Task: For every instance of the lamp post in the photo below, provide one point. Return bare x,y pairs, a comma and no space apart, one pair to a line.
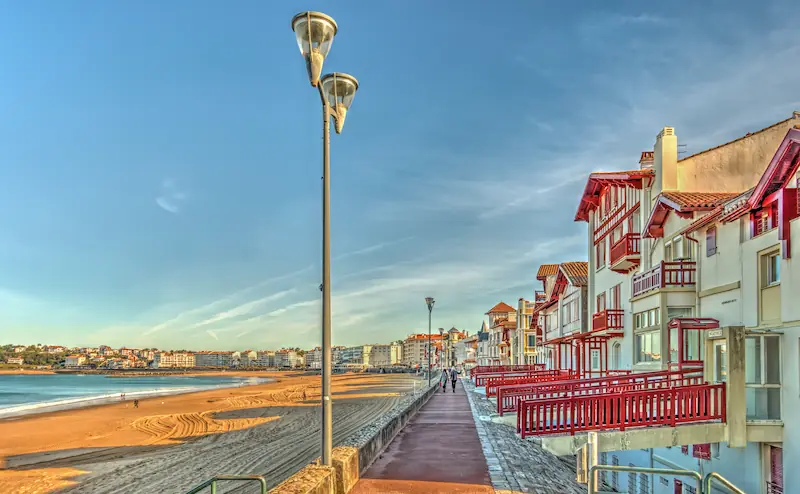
315,32
429,302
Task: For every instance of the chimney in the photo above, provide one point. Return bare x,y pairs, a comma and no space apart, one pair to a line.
646,161
665,161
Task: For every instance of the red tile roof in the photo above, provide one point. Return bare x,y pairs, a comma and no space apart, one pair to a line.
599,180
546,270
690,201
501,308
577,273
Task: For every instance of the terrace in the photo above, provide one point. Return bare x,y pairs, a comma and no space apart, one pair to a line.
664,275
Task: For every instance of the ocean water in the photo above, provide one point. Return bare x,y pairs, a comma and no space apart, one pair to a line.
26,394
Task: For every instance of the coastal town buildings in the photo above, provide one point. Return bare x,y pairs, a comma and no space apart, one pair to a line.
690,264
15,360
74,361
483,352
386,355
286,359
502,324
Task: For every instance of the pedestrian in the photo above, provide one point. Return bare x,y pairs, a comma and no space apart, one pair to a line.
135,403
443,380
454,377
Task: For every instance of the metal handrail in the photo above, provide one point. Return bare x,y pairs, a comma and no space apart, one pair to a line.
243,478
663,471
722,480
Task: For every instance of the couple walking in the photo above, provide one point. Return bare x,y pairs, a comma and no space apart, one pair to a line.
452,375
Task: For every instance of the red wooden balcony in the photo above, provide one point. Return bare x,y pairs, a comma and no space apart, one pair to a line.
532,377
609,411
625,253
614,381
608,319
664,274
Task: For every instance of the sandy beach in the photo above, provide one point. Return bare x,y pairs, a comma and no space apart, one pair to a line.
169,444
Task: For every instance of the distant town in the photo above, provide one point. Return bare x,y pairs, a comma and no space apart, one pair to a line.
451,347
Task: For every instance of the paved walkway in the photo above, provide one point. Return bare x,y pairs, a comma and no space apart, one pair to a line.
437,452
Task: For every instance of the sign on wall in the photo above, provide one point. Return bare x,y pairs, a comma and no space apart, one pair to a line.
702,451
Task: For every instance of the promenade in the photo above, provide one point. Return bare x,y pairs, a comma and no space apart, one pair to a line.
438,451
453,446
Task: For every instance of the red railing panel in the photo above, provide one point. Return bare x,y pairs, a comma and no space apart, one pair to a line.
608,319
628,245
677,273
493,382
617,410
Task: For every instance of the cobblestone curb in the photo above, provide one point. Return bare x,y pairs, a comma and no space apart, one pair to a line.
517,465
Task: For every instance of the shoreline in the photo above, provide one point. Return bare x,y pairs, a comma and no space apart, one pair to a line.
24,410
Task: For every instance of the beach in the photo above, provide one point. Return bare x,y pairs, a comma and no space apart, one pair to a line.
172,443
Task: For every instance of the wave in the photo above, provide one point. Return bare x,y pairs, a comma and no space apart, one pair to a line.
102,399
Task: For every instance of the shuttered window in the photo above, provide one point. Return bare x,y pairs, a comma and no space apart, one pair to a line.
711,241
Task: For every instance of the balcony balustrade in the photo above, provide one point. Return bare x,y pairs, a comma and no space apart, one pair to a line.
608,319
664,274
625,253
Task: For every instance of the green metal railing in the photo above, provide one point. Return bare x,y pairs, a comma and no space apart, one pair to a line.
212,483
703,483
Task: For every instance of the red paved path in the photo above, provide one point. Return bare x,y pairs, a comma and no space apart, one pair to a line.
438,451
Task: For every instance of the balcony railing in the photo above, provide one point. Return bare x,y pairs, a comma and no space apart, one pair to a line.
774,488
608,319
664,274
645,408
625,247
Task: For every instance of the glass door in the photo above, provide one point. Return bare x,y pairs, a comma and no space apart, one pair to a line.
720,361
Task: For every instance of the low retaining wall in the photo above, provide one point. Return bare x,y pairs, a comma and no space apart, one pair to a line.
353,458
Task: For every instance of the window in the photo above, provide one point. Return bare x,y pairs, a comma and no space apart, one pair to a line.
763,377
615,475
647,318
600,254
765,219
601,302
648,346
644,483
595,357
615,297
711,241
772,269
631,481
678,249
531,340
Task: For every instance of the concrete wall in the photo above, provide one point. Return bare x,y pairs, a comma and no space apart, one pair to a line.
733,167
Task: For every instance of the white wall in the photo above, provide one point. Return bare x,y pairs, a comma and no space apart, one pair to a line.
790,277
750,269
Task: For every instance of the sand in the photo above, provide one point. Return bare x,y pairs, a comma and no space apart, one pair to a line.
169,444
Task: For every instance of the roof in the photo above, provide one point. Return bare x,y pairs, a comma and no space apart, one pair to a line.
685,203
599,180
696,201
501,308
749,134
577,273
779,172
546,270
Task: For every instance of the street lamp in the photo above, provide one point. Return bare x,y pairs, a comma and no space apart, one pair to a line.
315,32
429,302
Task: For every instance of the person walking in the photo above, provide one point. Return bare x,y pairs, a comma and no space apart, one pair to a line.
443,380
453,377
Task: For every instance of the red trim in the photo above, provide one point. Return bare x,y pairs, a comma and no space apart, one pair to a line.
590,199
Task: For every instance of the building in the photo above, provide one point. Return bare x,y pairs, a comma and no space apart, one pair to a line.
15,360
386,355
74,361
414,350
483,353
248,358
19,348
691,266
314,358
300,361
466,351
165,360
54,349
265,359
214,359
357,356
451,337
286,359
502,324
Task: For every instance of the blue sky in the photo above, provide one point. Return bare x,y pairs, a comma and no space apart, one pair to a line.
160,165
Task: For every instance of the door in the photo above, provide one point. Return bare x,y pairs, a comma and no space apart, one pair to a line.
616,356
720,361
678,487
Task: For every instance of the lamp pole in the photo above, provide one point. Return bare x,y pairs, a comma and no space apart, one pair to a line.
429,302
315,32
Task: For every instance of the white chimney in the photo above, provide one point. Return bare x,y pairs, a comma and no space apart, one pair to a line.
646,161
665,162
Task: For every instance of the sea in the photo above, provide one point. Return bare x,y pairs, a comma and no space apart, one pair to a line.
29,394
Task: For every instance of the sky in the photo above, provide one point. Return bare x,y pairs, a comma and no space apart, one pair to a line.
161,161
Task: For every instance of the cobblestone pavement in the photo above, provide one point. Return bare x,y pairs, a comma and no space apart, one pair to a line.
517,465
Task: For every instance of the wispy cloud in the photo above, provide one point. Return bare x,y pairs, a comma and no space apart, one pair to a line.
372,248
171,197
212,334
243,309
